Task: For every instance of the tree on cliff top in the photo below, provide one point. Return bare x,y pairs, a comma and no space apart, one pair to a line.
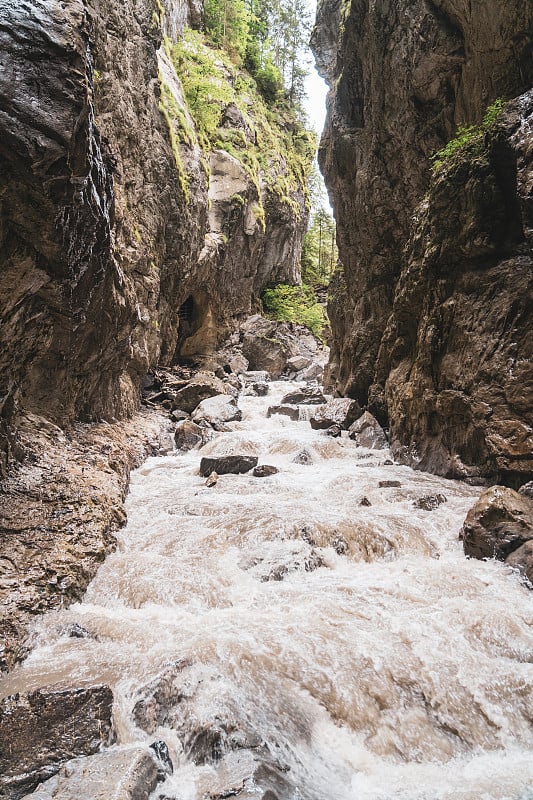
269,37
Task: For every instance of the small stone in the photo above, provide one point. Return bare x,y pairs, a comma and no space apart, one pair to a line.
306,396
77,631
226,465
527,490
264,470
165,765
212,479
217,410
238,364
189,435
365,502
303,457
388,463
335,431
499,524
389,484
340,546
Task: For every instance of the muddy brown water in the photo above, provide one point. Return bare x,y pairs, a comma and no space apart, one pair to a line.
352,648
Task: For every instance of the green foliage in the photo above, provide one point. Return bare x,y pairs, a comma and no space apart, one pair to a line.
174,117
268,37
227,24
295,304
272,146
319,252
471,136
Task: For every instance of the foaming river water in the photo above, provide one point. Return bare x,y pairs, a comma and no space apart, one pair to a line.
310,646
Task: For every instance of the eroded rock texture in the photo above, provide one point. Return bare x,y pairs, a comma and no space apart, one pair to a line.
431,309
110,259
121,247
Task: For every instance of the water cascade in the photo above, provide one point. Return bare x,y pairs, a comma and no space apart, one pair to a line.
288,641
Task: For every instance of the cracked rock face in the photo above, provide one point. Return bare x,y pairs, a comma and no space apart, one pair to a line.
402,76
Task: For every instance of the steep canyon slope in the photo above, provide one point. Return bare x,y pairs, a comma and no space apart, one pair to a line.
110,256
431,311
126,240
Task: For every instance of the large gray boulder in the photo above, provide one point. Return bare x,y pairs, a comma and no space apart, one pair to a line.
217,410
340,411
202,386
121,774
500,525
367,432
43,729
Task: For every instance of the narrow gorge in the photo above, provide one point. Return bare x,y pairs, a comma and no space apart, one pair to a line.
245,551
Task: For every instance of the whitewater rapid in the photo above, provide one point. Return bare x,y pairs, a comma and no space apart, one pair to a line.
353,648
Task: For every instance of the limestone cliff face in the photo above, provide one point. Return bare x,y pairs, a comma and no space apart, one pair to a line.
107,258
403,75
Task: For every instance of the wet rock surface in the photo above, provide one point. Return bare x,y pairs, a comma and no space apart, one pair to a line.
43,729
367,432
500,526
226,465
431,311
340,411
126,774
217,410
60,512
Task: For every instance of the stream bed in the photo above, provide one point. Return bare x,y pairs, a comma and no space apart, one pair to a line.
289,643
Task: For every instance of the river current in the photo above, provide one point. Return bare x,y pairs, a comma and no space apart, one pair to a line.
321,649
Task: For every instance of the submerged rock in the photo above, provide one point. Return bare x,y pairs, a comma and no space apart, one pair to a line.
47,727
340,411
264,471
389,484
429,502
225,465
499,524
367,432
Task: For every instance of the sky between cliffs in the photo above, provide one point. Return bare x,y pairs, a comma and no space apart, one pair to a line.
315,88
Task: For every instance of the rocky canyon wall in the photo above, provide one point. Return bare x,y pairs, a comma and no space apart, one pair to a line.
109,259
431,310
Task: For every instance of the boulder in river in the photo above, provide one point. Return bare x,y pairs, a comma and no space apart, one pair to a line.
226,465
429,502
202,386
47,727
340,411
499,524
389,484
265,470
125,774
285,411
189,435
263,346
217,410
367,432
308,396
